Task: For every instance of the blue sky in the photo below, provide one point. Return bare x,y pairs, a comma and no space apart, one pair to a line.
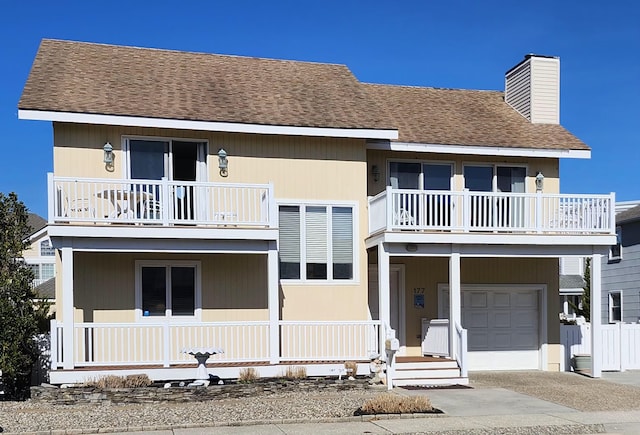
453,44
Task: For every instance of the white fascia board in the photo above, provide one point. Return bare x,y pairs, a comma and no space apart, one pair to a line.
571,291
479,150
141,232
604,240
227,127
37,234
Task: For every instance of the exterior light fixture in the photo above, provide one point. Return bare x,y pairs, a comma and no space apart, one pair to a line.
539,181
108,154
411,247
222,162
375,172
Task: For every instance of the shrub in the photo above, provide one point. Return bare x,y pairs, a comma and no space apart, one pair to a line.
248,375
394,404
351,367
113,381
295,372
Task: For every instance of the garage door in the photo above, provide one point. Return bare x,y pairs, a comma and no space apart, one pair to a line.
503,327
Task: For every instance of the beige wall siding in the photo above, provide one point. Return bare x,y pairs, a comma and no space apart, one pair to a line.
428,272
307,169
549,167
34,247
233,286
545,90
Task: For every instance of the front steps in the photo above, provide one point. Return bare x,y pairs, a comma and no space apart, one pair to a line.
427,371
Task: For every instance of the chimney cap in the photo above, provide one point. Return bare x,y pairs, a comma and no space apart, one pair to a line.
529,56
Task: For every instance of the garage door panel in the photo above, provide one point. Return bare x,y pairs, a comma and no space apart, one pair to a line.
478,300
525,319
478,319
502,320
477,340
527,299
502,341
501,300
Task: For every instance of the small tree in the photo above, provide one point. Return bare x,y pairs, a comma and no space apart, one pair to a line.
20,314
584,309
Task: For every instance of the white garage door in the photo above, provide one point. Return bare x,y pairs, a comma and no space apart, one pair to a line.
503,327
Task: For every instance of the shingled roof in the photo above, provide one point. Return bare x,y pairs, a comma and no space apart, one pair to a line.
76,77
633,214
103,79
465,117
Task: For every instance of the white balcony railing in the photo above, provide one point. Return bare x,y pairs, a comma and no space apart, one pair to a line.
406,209
160,202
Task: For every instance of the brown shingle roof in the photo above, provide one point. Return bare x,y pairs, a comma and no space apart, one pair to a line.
465,117
105,79
35,223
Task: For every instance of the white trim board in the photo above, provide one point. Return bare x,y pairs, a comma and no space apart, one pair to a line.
182,124
478,150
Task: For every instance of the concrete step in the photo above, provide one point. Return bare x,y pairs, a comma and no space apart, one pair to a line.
430,381
444,364
430,373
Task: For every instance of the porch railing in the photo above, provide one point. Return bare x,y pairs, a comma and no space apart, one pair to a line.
97,344
461,354
160,202
466,211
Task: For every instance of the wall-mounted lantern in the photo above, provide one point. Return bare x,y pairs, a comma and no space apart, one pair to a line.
223,162
108,154
539,181
375,173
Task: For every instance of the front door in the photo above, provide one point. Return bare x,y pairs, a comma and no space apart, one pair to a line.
396,301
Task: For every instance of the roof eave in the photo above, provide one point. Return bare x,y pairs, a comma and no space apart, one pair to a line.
481,150
227,127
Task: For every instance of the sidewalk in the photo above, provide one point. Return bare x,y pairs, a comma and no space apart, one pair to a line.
470,411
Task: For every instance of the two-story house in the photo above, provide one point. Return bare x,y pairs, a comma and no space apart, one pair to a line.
292,215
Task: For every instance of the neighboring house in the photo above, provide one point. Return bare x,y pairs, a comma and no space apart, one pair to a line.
41,258
621,273
292,215
571,284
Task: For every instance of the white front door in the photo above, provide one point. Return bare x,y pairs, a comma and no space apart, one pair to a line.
503,326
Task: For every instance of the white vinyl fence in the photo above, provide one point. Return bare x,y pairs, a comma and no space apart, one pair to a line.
620,345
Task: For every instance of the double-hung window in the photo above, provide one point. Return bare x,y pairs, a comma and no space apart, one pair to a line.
615,306
316,242
615,252
168,289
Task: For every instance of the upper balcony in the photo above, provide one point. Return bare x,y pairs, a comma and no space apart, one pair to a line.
395,210
141,204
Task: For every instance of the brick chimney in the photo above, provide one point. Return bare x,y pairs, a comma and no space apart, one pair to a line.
532,87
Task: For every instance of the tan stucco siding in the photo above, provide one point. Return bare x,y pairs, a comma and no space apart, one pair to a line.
233,286
548,166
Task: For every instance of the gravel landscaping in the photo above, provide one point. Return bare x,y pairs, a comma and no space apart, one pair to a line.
32,416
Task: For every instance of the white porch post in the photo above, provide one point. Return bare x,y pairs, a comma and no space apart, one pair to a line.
274,303
384,305
596,316
454,302
67,307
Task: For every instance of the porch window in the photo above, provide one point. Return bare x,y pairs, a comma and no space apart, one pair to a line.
316,242
615,307
167,290
46,250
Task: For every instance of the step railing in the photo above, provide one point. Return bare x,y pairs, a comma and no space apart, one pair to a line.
461,354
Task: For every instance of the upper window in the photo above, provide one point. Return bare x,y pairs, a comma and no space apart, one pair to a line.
46,249
316,242
615,252
489,178
173,159
167,289
615,307
423,176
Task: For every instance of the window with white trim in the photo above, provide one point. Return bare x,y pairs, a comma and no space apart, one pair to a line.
167,289
615,306
316,242
615,251
46,250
